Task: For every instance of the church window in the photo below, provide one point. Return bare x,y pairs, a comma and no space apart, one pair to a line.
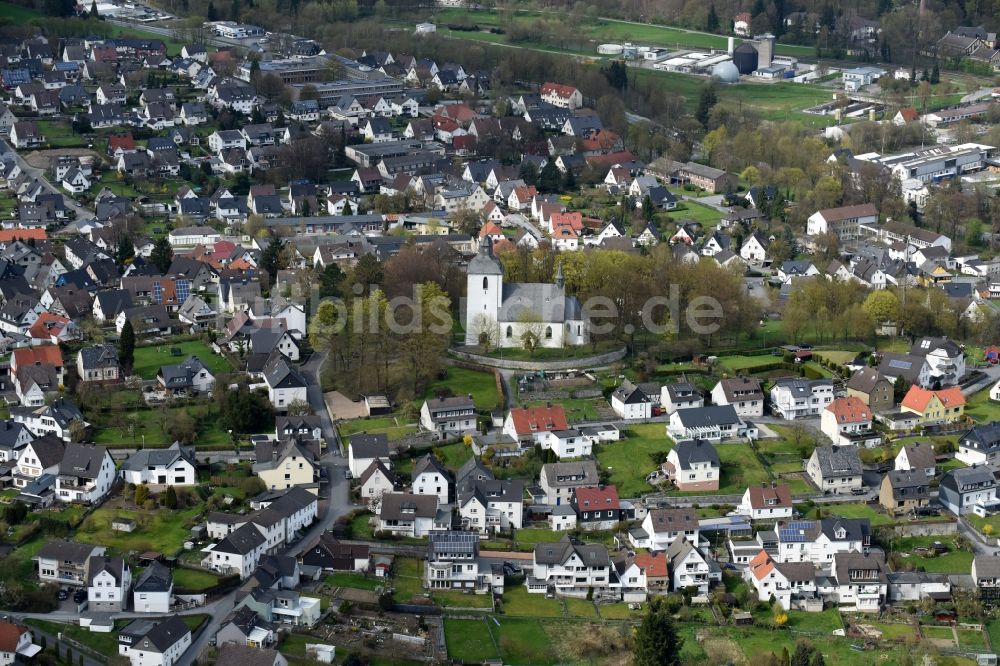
510,332
548,332
486,283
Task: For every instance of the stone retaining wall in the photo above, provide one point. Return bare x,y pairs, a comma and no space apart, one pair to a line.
566,364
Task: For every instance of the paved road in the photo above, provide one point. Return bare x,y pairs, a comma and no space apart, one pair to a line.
39,175
992,373
314,394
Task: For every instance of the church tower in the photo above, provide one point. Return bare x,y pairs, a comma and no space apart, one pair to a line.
484,292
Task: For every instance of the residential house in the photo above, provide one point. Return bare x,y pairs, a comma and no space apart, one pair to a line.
917,456
190,376
486,504
858,583
835,469
86,473
755,248
239,552
849,421
968,490
818,541
768,501
714,423
363,450
785,582
65,562
943,406
570,443
98,364
693,465
16,642
410,515
172,466
680,395
845,221
109,580
743,393
661,527
287,463
796,398
903,492
153,590
431,478
871,388
331,554
980,444
630,402
559,480
285,384
448,417
687,566
945,358
376,481
597,507
163,645
453,562
569,568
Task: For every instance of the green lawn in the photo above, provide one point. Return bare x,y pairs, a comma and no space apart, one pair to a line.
981,408
824,622
989,526
746,363
191,580
60,134
458,599
361,527
518,603
577,409
857,510
461,381
391,426
937,633
530,536
707,216
971,640
408,578
356,581
619,611
580,608
469,641
955,561
149,359
628,459
894,632
158,530
18,14
110,427
101,643
834,356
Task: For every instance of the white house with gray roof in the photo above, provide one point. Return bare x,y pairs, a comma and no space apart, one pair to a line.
449,417
164,645
109,580
173,466
569,568
980,445
835,469
363,450
713,423
189,376
797,398
153,590
969,490
559,480
98,364
486,504
86,473
285,384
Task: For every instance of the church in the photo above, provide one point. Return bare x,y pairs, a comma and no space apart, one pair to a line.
507,311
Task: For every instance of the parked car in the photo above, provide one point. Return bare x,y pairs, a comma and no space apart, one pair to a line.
80,596
62,595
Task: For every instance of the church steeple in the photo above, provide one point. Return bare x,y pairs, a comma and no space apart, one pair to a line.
559,275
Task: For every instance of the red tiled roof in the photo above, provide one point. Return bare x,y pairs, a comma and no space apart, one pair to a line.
597,498
918,398
849,410
529,420
10,634
558,89
655,566
9,235
41,354
761,565
761,495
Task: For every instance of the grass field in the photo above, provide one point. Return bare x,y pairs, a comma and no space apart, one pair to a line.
517,602
981,408
629,460
192,580
109,428
482,386
706,216
393,427
469,640
158,530
955,561
357,581
407,578
746,363
937,633
149,359
894,632
858,510
577,409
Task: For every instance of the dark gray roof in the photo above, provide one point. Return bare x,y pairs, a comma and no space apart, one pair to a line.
429,463
68,551
370,446
99,356
696,451
920,454
708,416
98,563
987,566
592,555
571,474
279,374
844,564
83,460
927,345
242,655
156,578
163,636
453,542
407,506
241,541
908,484
673,520
680,390
838,461
984,437
49,450
864,380
967,479
802,388
144,458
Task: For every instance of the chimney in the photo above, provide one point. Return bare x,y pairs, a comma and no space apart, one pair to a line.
729,50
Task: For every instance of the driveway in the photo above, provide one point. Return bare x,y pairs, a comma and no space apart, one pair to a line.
39,175
311,370
342,407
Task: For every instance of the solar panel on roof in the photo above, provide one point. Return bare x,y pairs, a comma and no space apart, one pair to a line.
896,363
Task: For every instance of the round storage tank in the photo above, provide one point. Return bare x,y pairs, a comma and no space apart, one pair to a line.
726,72
745,57
610,49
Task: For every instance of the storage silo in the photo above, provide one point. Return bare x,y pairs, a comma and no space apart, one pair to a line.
745,58
726,72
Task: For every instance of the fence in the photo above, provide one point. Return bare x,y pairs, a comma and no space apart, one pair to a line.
567,364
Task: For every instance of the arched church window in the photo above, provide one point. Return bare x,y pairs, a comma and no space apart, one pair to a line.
510,332
486,283
548,332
